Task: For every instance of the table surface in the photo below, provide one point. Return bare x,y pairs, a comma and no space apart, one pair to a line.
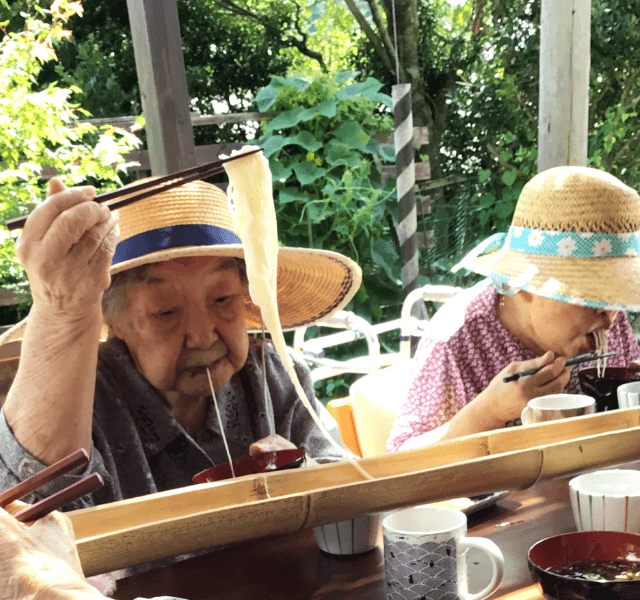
293,568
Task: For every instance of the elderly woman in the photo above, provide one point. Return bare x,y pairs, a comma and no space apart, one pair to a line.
566,270
177,311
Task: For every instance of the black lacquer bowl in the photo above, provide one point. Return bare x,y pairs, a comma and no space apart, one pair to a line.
580,547
605,389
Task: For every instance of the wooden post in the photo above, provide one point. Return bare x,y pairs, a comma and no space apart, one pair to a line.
163,85
565,40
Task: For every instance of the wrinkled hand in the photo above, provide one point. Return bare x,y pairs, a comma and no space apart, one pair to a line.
271,443
276,442
40,561
506,401
66,248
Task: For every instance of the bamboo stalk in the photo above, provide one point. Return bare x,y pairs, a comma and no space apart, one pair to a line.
125,533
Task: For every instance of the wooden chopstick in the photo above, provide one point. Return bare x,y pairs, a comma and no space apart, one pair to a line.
149,188
77,459
86,485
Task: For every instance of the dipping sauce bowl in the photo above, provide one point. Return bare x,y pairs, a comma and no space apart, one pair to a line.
585,546
263,462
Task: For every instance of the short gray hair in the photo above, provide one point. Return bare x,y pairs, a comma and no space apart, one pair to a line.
114,300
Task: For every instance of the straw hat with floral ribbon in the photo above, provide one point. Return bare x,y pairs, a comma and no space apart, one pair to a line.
194,220
575,236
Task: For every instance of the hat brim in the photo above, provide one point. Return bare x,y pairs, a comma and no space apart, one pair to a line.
312,284
611,283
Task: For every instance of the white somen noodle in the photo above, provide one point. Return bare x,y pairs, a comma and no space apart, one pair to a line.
251,202
600,336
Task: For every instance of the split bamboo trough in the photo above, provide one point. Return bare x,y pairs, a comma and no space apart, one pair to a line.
122,534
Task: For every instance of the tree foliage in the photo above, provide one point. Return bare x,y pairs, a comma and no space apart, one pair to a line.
41,126
478,63
493,133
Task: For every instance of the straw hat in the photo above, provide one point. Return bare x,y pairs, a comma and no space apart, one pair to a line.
575,236
194,220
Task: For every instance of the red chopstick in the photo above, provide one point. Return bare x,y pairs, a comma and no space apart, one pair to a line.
78,459
149,188
86,485
72,492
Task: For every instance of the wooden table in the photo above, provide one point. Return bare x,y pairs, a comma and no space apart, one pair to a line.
293,568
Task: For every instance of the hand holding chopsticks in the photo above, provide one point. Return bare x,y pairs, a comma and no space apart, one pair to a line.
570,361
133,193
84,486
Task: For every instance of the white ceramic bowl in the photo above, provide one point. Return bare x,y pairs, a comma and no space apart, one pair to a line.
606,500
352,536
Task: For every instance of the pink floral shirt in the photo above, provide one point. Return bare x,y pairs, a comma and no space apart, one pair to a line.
465,348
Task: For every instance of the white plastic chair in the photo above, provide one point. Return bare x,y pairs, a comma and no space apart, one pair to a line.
374,400
356,328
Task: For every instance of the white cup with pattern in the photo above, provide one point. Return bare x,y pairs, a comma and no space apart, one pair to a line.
425,555
606,500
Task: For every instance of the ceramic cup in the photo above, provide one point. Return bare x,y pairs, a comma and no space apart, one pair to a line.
557,406
606,500
629,395
425,555
352,536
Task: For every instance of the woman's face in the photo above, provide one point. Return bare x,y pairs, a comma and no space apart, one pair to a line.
566,329
188,317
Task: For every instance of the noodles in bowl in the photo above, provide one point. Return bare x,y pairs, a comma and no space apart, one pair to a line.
585,565
604,387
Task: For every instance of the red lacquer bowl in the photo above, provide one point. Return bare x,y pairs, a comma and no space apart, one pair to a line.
581,547
249,465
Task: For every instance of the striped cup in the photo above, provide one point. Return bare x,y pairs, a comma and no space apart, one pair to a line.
606,500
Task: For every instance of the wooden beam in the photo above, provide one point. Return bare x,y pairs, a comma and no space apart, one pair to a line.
197,119
204,154
565,40
423,171
163,85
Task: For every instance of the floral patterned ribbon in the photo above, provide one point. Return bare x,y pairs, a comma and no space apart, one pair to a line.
562,243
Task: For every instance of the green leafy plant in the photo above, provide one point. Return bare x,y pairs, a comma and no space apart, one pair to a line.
42,129
328,190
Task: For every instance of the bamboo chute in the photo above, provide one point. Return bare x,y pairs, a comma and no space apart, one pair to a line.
129,532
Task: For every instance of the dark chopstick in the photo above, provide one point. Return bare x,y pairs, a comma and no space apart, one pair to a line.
78,459
86,485
149,188
570,361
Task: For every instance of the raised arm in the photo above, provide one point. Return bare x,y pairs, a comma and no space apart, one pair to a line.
66,248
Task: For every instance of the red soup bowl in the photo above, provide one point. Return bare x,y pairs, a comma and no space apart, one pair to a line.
263,462
585,547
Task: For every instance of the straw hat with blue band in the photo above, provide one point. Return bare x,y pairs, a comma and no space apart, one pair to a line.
575,237
194,220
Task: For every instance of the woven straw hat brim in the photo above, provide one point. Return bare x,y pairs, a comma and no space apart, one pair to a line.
312,284
611,283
